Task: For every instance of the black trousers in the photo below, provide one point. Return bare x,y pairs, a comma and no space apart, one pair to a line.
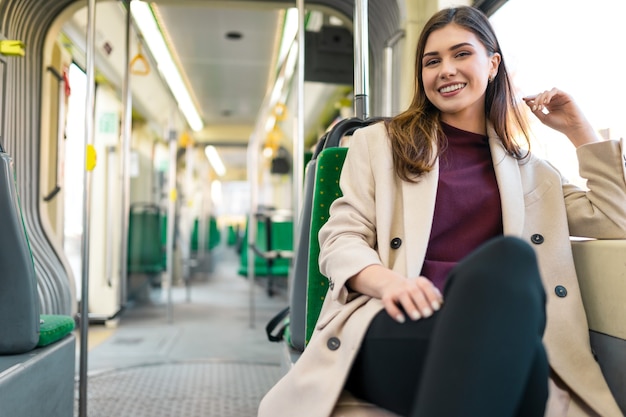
480,355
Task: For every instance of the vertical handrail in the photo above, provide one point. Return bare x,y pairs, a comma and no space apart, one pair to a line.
127,124
189,194
388,73
361,60
298,137
89,138
171,219
110,209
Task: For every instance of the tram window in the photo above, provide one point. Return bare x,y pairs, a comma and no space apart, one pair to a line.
74,170
554,43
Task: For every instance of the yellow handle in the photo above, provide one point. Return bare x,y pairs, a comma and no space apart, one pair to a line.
90,158
12,48
139,64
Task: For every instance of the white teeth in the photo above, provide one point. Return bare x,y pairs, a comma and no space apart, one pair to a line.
451,88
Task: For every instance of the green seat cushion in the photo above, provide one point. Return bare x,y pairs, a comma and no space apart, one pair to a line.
53,328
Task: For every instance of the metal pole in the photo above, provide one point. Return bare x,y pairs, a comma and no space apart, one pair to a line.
89,137
253,180
127,124
171,218
298,138
361,60
189,194
388,73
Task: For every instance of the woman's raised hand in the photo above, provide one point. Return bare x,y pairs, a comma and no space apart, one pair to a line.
558,110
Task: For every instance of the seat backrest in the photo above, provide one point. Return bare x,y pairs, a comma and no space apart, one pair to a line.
145,251
327,189
19,302
297,298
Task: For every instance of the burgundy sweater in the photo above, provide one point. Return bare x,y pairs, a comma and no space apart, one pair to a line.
467,207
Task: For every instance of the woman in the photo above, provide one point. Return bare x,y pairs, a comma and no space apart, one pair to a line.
441,199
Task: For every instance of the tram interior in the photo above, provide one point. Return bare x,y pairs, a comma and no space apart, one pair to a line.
188,166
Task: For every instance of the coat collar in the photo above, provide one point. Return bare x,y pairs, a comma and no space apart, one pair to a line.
418,201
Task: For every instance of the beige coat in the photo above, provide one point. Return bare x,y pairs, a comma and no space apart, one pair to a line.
378,207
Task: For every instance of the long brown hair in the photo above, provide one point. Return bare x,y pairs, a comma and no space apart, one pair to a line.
416,135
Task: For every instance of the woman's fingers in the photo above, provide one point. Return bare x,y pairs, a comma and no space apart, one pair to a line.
416,297
393,310
538,102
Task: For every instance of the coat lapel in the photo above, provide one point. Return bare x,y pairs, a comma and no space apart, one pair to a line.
418,200
510,186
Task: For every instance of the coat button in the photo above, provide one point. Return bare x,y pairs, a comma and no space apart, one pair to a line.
396,242
333,343
560,291
537,239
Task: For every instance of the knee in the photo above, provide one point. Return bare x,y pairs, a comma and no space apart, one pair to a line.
504,265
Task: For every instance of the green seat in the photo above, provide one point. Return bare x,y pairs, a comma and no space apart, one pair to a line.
145,248
213,235
329,164
282,240
53,328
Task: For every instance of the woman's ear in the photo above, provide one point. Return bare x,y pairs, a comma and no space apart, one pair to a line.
495,60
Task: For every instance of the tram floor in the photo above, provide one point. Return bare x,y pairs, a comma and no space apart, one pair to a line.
211,359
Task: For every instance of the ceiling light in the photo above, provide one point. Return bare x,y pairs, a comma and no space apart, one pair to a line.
144,17
215,160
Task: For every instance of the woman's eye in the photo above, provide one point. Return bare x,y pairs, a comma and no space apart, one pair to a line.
431,62
463,53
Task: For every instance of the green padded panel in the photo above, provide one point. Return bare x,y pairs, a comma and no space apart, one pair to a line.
145,249
213,235
53,328
329,164
282,239
232,235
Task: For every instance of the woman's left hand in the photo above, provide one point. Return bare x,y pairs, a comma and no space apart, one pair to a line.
562,114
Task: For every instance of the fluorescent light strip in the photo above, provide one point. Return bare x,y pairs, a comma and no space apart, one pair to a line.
215,160
142,13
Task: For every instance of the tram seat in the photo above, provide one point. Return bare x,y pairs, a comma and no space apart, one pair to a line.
297,299
273,249
39,382
36,351
601,273
146,248
213,236
599,263
326,190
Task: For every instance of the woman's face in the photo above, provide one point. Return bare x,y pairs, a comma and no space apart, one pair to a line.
455,71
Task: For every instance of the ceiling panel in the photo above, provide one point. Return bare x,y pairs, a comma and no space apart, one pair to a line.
228,77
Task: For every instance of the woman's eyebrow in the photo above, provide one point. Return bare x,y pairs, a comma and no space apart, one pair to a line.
452,48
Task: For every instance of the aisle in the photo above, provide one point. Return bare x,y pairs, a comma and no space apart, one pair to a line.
208,362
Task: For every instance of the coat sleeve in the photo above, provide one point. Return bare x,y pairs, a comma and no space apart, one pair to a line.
348,239
599,212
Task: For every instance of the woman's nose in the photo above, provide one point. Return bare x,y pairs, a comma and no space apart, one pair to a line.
447,69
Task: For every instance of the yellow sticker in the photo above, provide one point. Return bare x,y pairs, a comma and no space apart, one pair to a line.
90,158
173,194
